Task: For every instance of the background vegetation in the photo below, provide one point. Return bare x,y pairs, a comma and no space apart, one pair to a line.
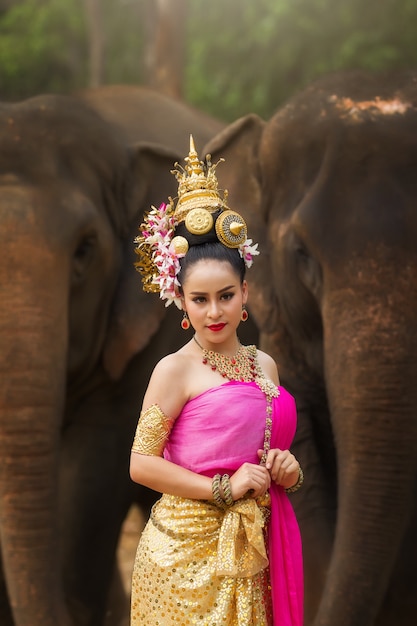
228,57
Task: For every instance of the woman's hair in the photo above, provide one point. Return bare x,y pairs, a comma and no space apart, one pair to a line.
215,251
208,247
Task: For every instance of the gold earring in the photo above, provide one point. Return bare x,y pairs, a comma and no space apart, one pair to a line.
244,315
185,322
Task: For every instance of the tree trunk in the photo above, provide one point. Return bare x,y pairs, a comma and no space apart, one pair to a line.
96,41
165,46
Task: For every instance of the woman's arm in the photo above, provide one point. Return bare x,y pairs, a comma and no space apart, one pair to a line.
166,477
164,398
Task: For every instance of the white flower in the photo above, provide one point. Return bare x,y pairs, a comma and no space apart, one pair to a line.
247,251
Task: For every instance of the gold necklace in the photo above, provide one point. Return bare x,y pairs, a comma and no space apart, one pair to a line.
244,367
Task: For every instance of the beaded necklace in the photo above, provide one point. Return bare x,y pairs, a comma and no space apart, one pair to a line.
244,367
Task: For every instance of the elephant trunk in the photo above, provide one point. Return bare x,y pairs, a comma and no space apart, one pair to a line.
371,371
33,349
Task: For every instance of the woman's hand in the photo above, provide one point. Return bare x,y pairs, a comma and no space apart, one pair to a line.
250,477
283,467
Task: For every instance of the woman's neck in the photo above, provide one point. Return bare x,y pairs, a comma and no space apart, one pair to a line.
228,348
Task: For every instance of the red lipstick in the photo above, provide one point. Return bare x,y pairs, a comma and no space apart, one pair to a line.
216,327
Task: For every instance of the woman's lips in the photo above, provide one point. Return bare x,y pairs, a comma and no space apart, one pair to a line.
216,327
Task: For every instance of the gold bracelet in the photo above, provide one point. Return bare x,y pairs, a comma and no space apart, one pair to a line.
227,490
215,487
298,484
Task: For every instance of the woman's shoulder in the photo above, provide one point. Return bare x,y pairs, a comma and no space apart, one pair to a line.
168,384
268,366
170,364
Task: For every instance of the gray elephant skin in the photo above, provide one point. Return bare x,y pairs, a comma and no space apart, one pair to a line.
78,337
329,189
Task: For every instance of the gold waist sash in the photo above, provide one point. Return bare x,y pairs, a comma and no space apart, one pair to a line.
241,550
241,546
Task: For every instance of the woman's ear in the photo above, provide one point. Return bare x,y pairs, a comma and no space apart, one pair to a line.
245,292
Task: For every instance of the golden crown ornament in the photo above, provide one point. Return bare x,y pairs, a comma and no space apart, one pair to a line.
200,206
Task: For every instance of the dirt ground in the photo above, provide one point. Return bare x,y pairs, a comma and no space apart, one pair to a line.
119,602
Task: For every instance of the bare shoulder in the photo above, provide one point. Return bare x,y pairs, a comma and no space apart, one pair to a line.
167,385
268,365
169,365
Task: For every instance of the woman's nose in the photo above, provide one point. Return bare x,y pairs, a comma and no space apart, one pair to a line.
214,310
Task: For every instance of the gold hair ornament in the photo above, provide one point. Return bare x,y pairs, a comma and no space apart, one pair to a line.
159,249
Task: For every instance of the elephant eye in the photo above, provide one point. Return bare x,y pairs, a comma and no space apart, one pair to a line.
301,252
308,269
83,256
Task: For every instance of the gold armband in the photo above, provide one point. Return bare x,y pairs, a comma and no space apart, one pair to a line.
152,431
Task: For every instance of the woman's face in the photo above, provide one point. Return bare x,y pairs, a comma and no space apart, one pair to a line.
213,297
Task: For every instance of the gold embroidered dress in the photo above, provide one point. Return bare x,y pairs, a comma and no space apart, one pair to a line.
199,564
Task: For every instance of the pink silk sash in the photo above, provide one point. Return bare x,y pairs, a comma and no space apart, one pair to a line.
219,430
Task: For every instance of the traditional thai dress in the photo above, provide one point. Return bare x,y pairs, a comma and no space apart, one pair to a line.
199,564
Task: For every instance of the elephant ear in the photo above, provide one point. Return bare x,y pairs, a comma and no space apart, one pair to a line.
239,144
136,315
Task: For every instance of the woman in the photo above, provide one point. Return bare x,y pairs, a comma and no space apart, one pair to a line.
222,546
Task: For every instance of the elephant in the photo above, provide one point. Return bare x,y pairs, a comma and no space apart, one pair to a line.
78,336
328,188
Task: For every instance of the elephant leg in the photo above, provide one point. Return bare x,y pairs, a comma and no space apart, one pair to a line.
118,606
6,618
96,492
315,507
399,605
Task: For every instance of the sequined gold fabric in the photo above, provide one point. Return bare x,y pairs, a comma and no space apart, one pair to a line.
241,547
152,431
198,564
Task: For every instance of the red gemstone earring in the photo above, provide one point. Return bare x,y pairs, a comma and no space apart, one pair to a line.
185,322
244,315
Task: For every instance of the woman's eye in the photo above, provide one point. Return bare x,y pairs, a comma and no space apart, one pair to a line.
227,296
199,299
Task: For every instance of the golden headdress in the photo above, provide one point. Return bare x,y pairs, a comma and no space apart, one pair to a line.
199,206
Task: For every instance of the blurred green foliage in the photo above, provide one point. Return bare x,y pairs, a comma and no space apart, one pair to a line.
42,47
242,56
262,52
